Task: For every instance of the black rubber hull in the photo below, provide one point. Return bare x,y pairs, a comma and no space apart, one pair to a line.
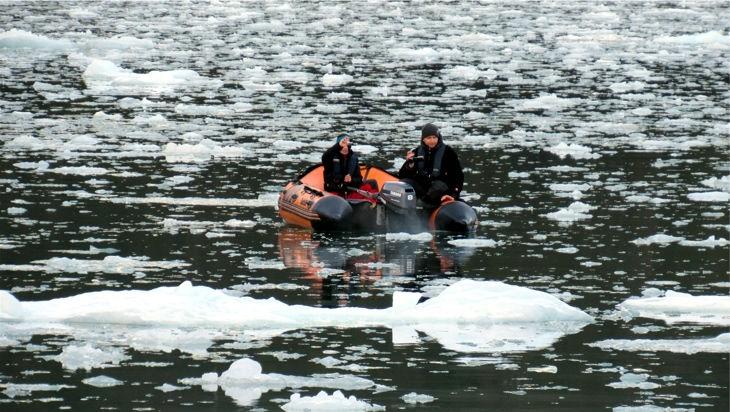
454,217
335,213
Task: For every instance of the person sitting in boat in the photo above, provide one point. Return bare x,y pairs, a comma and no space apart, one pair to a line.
341,167
433,168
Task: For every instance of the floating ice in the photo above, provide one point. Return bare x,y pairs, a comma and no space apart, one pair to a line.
414,398
324,402
574,212
102,381
26,143
89,357
659,238
474,243
624,87
722,183
364,148
545,102
332,80
719,344
573,150
709,196
710,242
646,199
634,380
469,73
104,76
202,151
79,170
264,200
514,318
21,39
16,211
569,187
402,236
677,307
13,390
245,381
714,39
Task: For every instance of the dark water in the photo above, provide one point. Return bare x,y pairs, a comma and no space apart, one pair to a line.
642,87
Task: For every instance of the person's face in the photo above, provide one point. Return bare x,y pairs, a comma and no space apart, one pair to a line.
344,142
344,145
431,141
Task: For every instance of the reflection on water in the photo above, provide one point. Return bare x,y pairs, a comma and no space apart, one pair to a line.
336,271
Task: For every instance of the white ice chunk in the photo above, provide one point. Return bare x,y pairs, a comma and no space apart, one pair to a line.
710,242
546,102
332,80
475,243
103,75
102,381
719,344
414,398
722,183
678,307
245,382
634,380
88,357
708,39
709,196
659,238
324,402
405,300
21,39
576,211
573,150
402,236
515,318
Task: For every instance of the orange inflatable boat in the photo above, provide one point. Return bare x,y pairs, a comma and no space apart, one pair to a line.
393,207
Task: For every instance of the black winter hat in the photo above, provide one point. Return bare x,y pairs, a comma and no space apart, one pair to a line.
430,129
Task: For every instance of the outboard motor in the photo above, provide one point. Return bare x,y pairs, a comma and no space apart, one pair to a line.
399,197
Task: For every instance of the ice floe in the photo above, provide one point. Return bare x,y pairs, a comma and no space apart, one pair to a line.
575,212
202,151
245,382
89,357
573,150
719,344
105,77
402,236
324,402
21,39
110,264
664,239
514,318
678,307
414,398
722,183
709,196
474,243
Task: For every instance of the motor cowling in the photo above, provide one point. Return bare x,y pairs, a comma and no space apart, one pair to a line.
399,197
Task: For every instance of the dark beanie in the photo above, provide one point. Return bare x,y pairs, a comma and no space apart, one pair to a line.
430,129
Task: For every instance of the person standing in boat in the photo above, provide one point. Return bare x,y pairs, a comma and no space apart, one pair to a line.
433,168
341,167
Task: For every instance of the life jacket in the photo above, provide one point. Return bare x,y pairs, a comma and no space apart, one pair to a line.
422,167
350,167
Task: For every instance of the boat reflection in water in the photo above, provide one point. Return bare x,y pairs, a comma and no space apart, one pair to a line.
342,269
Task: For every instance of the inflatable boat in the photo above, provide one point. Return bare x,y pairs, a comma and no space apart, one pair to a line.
391,207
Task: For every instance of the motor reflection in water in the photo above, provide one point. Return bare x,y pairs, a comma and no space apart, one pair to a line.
341,268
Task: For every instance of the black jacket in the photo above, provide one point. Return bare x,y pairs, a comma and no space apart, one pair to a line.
336,166
421,169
